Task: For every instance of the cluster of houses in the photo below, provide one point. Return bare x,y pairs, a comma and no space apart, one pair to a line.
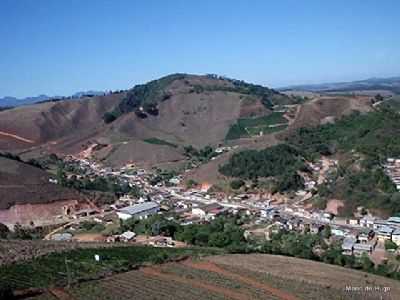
358,235
198,206
392,169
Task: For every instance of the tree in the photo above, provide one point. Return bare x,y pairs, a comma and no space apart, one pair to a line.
326,232
390,245
4,231
191,183
366,264
236,184
6,292
109,117
61,178
378,97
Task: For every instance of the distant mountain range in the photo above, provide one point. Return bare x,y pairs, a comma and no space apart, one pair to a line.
9,101
391,84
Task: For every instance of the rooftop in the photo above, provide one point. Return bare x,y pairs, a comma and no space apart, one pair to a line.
138,208
128,235
211,207
394,220
385,229
365,247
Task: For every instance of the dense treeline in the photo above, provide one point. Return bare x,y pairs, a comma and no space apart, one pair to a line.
360,185
223,232
360,181
375,134
146,96
281,161
33,162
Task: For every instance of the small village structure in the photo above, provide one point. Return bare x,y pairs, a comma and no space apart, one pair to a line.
139,211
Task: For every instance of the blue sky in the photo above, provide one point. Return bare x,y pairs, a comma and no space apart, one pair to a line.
60,47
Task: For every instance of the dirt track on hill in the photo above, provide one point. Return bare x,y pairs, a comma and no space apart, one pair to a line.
16,137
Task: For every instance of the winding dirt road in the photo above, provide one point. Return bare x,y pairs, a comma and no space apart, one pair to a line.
16,137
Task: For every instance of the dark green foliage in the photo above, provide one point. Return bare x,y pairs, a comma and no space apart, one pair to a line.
293,244
4,231
221,232
290,181
203,155
236,184
157,141
154,225
151,108
108,184
269,97
26,233
6,292
271,161
376,134
10,156
145,95
91,226
390,245
378,97
191,183
51,270
367,187
109,117
392,103
326,232
163,176
140,114
281,161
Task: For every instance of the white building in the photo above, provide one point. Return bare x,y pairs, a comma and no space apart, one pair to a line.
138,211
127,236
208,211
396,237
367,221
384,233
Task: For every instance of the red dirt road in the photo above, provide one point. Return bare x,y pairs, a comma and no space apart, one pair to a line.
16,137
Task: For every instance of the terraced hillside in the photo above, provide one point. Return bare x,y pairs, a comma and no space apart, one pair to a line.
21,183
234,277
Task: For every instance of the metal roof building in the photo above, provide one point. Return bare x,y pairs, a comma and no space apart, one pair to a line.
140,211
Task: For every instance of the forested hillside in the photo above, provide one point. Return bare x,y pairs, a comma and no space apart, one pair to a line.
280,162
362,142
144,98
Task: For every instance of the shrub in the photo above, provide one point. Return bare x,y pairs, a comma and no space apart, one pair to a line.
236,184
